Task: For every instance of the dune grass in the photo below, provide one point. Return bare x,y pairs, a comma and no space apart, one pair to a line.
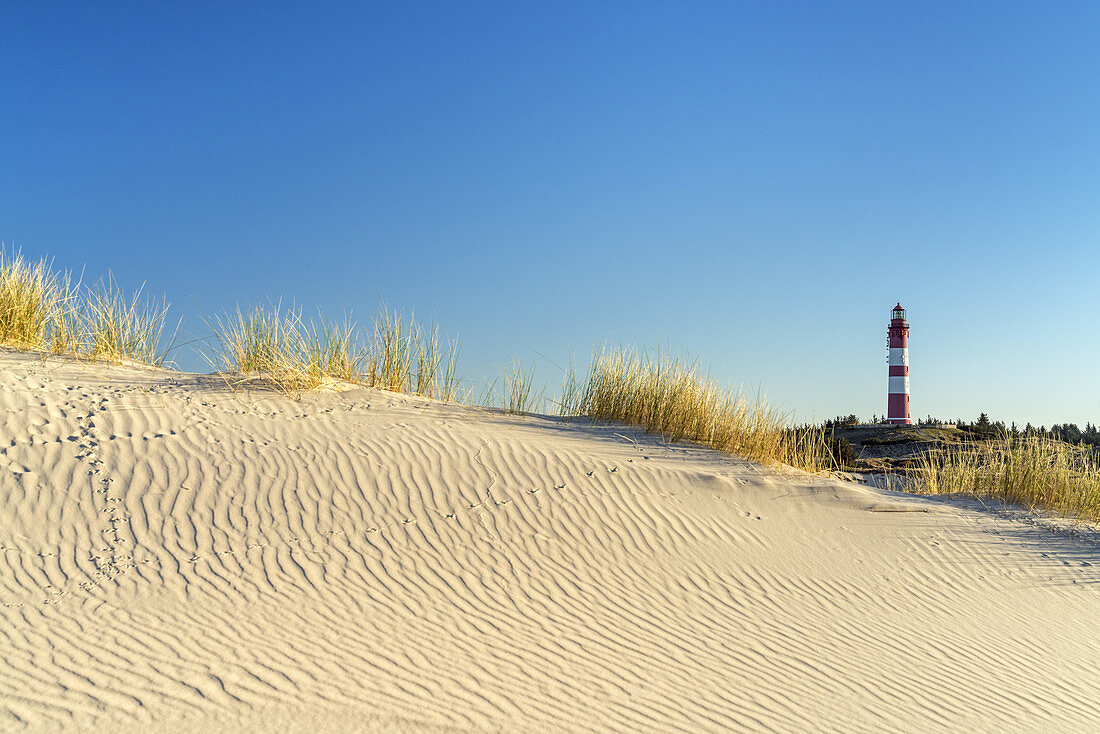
1040,473
295,355
118,328
43,309
674,398
275,344
405,356
513,391
36,305
519,395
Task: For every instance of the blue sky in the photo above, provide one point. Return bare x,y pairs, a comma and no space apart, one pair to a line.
754,183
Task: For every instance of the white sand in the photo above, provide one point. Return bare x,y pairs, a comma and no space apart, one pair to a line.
177,557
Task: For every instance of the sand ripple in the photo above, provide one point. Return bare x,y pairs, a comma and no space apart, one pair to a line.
177,557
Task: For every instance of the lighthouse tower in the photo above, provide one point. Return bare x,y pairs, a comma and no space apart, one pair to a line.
897,409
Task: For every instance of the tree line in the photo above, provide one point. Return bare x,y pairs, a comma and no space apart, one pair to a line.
984,428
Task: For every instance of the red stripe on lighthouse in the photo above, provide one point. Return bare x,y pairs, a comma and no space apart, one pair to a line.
898,405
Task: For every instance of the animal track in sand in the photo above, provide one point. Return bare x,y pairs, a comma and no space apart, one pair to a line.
112,563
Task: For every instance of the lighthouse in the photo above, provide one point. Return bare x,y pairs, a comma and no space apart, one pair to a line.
897,408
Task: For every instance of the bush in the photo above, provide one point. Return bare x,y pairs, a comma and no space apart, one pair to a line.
842,451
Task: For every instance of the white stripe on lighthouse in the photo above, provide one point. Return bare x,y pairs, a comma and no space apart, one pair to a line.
899,384
899,357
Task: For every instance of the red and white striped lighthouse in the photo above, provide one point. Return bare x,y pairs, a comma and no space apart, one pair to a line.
897,408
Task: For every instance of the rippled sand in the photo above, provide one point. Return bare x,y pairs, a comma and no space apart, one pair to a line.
177,556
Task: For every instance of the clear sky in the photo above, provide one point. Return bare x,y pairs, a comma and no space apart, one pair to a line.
756,183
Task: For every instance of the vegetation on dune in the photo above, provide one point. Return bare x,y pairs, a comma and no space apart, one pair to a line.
45,310
842,451
513,391
1041,473
405,356
296,355
277,345
120,328
674,398
1055,470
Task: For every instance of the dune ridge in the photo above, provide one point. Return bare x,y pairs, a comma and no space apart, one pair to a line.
180,556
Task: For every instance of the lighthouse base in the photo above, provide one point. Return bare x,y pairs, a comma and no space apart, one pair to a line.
898,409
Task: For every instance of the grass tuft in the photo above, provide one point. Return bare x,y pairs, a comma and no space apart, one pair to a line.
297,356
43,309
120,328
516,393
1040,473
279,346
406,357
674,398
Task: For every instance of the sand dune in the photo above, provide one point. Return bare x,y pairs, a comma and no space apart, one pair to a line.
175,556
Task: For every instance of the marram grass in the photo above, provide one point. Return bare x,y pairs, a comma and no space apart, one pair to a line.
1040,473
120,328
675,399
271,343
295,355
405,356
43,309
513,391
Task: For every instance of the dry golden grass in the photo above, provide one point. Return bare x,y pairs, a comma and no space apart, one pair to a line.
513,391
1037,472
274,344
519,395
296,356
32,296
675,399
120,328
43,309
406,357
